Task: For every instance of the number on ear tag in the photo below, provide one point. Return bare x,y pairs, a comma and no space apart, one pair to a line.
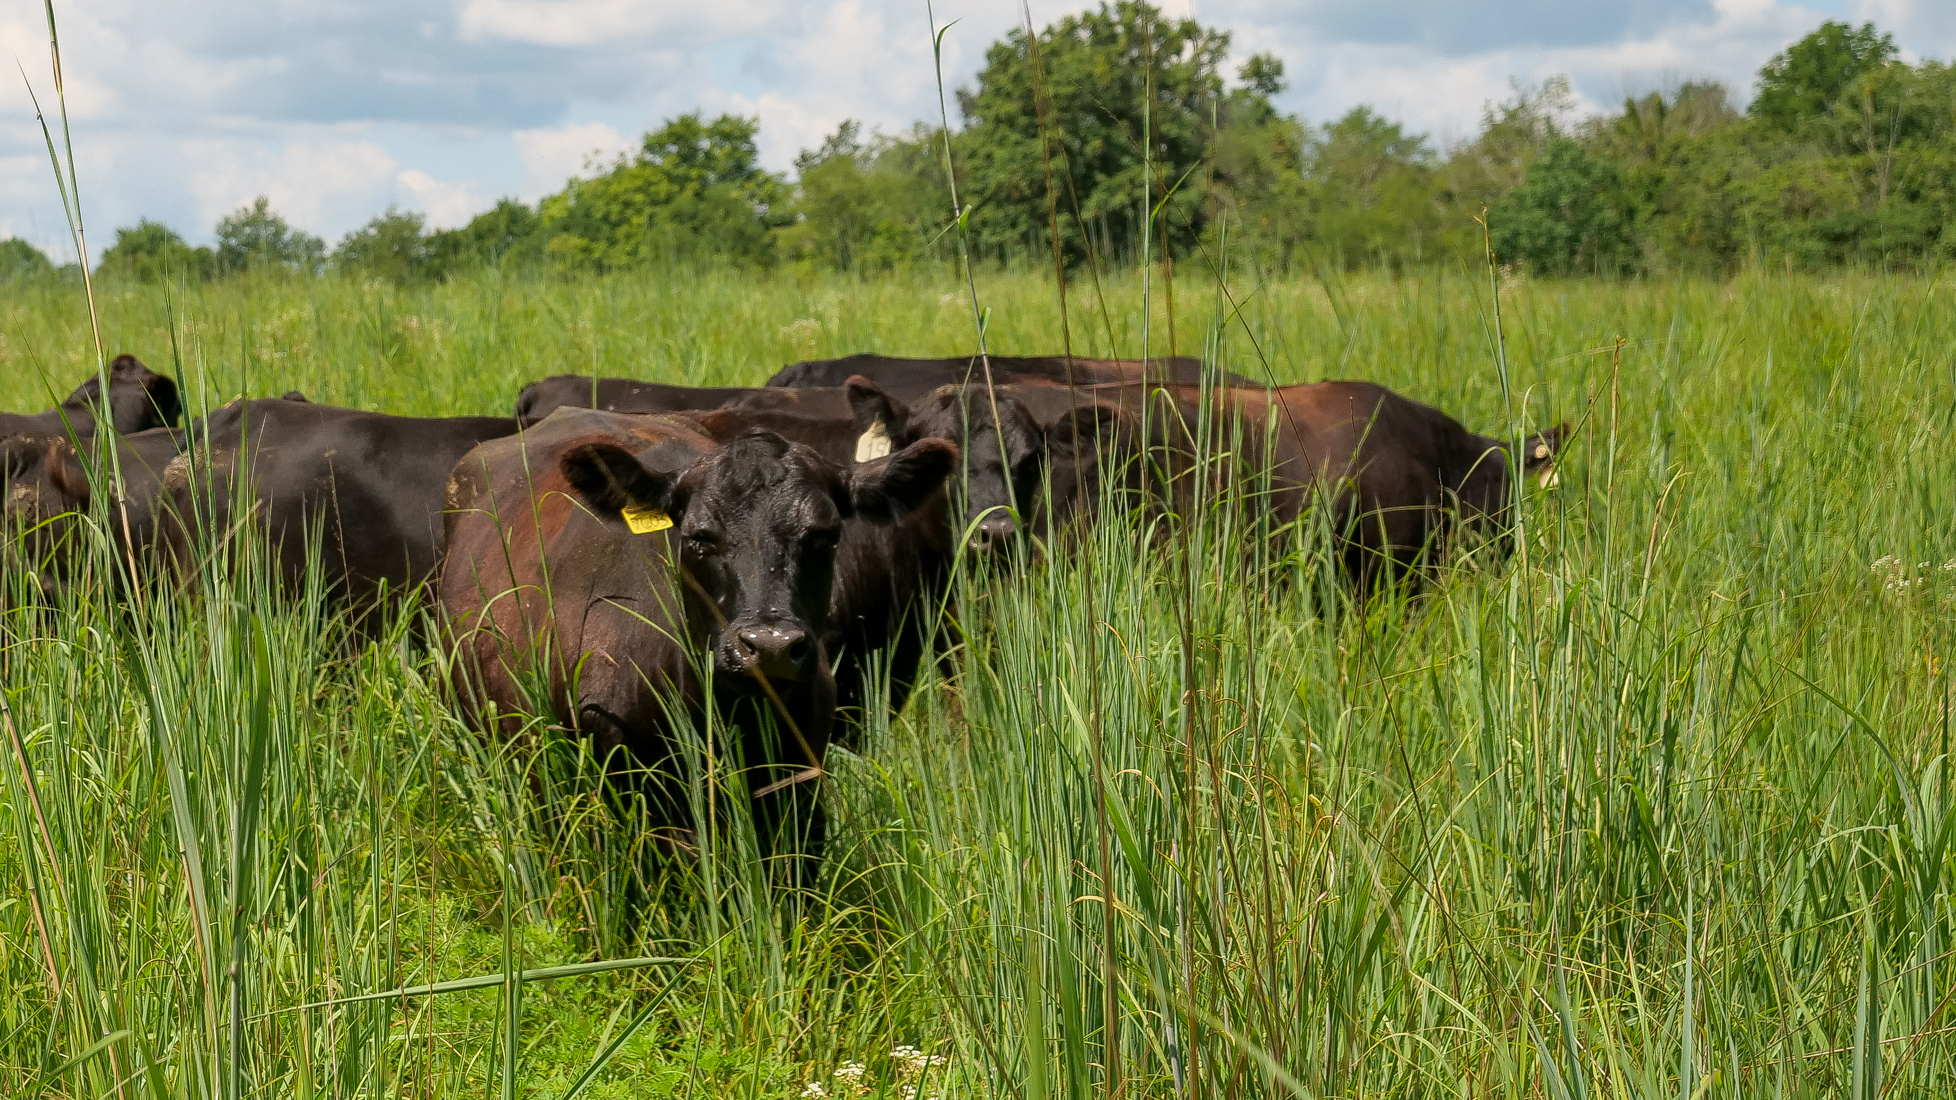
643,520
873,444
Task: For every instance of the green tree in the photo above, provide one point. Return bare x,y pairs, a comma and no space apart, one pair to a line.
389,247
867,204
1677,156
1369,189
1257,171
20,260
507,235
695,191
1565,217
254,238
1116,93
153,252
1803,82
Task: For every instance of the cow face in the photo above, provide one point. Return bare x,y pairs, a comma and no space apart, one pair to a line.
139,399
45,487
757,520
1000,441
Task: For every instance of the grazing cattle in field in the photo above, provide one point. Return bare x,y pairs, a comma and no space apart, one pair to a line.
910,379
139,399
596,557
367,486
49,485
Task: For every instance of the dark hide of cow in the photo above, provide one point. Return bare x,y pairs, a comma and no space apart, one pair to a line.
1032,454
626,395
618,564
1401,477
49,486
367,487
139,400
907,380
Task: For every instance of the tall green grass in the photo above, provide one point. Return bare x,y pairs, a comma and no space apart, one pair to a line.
1656,806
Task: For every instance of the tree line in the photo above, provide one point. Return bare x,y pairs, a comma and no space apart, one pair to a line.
1113,134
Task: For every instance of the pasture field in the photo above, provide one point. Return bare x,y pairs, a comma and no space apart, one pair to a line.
1658,806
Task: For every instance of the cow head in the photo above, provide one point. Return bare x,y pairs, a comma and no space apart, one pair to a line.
1001,443
46,488
139,398
757,520
1538,455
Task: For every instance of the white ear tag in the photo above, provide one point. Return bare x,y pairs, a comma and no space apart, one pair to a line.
873,444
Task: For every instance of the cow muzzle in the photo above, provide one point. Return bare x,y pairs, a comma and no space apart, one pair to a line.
993,535
775,651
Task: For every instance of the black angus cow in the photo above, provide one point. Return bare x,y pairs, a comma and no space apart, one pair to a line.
597,556
891,577
367,486
909,379
50,484
139,400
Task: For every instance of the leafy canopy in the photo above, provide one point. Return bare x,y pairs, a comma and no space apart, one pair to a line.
694,191
1804,81
153,252
1123,99
20,260
254,238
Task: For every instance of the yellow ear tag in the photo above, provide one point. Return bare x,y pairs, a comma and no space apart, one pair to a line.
643,520
873,444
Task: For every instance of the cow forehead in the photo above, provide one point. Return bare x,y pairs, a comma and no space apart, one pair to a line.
771,473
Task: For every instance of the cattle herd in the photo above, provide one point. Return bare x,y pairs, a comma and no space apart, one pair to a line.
618,552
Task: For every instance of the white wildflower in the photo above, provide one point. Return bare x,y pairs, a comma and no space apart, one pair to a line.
814,1091
849,1071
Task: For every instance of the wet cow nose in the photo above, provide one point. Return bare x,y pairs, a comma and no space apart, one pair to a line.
993,535
776,652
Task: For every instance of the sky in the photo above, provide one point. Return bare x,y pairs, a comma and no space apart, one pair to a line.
339,109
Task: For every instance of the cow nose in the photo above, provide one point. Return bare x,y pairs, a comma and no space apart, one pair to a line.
992,535
776,652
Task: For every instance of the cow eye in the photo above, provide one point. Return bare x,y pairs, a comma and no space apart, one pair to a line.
824,539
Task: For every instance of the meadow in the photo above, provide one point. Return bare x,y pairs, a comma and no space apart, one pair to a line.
1657,805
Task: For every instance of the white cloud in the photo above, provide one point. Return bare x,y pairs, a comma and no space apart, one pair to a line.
447,205
552,156
606,22
316,183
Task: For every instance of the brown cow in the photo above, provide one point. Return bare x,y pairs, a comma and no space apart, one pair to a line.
1399,477
611,570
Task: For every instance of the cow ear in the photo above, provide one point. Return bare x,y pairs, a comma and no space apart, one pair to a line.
892,487
65,473
1083,429
611,480
882,422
